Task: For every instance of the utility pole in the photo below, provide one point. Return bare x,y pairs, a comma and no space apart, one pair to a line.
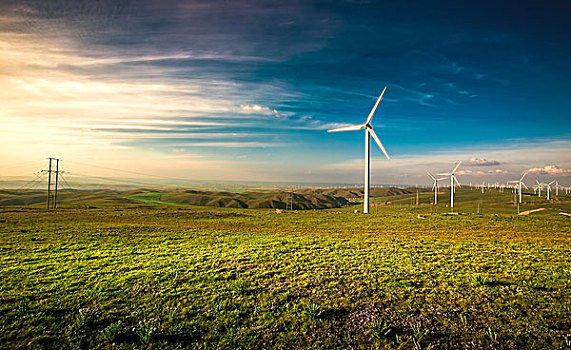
49,202
49,183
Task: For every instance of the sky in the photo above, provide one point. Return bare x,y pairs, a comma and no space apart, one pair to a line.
245,90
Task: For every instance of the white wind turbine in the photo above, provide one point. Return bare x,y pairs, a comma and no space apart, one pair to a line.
435,187
519,183
557,188
452,180
549,188
539,188
368,132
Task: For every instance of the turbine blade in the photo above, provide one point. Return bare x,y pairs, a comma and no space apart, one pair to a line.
456,167
370,117
456,180
348,128
433,178
523,184
442,178
444,174
376,138
522,176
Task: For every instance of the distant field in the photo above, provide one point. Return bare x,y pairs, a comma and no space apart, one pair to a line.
144,274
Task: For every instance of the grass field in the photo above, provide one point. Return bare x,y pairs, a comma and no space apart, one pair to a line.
149,275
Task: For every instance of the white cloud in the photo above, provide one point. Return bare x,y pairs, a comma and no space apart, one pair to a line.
482,173
257,109
550,170
482,162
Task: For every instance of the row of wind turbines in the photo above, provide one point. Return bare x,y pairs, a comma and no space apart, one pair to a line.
453,182
369,132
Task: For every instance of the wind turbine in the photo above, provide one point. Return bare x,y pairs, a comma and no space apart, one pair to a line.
368,132
539,188
549,188
519,183
557,188
452,179
435,187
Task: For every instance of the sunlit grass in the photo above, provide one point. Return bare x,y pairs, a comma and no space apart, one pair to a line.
168,277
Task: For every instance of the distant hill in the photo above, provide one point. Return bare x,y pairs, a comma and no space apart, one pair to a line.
356,192
302,199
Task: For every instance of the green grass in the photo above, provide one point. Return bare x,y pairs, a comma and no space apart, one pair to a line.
150,198
191,277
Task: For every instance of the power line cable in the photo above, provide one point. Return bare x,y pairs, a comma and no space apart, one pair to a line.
29,184
77,191
120,181
20,165
132,172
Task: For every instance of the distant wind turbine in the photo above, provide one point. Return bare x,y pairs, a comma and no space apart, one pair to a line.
452,180
549,188
368,132
519,183
435,187
539,184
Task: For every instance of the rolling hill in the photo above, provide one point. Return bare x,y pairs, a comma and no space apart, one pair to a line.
301,199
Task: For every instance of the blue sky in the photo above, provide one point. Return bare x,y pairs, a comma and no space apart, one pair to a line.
245,90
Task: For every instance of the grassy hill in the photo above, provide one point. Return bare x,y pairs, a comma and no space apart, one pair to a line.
391,199
142,275
302,199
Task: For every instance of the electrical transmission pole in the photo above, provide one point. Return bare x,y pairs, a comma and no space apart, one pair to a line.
49,202
289,201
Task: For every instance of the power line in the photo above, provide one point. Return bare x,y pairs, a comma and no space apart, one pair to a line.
70,187
111,179
21,165
30,183
131,172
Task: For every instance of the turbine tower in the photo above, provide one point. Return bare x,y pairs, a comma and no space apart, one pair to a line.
539,188
549,188
368,132
519,183
452,180
435,187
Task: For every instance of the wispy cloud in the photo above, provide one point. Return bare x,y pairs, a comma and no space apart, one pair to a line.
245,144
